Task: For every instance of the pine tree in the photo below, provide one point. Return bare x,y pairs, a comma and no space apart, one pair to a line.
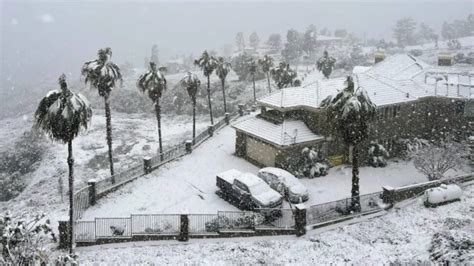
254,40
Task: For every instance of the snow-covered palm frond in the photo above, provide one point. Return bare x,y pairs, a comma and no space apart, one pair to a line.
207,63
153,82
191,83
283,75
266,63
102,73
61,114
222,68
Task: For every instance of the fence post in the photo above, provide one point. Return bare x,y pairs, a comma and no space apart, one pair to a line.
188,144
147,165
92,191
227,118
184,228
210,131
300,219
64,239
388,194
241,109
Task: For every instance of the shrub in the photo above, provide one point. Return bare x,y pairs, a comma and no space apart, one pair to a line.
377,156
452,246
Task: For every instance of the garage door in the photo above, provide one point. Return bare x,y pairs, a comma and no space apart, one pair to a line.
261,152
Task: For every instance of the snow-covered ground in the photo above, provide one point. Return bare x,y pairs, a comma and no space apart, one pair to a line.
401,235
189,184
135,136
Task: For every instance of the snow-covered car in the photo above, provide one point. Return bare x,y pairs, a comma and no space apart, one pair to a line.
285,183
247,191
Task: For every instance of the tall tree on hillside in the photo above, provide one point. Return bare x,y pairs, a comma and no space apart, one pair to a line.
222,69
240,41
283,75
266,63
325,64
404,32
274,40
350,112
309,40
426,32
103,75
253,70
191,83
153,82
254,40
293,46
61,114
341,33
207,64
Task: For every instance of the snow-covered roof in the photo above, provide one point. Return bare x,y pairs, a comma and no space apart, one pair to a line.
399,78
327,38
289,132
360,69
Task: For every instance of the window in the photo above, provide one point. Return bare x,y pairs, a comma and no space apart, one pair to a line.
241,186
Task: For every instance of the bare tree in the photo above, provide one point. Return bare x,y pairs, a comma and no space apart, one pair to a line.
434,160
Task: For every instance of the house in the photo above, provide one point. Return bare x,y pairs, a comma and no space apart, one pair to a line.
409,105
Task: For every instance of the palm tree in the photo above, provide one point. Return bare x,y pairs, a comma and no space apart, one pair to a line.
191,83
253,70
102,74
283,75
61,114
350,111
325,64
207,64
222,69
266,63
153,82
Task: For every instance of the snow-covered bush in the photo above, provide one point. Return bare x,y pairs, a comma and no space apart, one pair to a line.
247,220
434,160
411,146
452,246
23,241
309,164
377,155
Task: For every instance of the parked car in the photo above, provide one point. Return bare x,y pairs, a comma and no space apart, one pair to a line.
248,192
285,183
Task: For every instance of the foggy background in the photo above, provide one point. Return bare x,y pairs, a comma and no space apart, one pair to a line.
41,40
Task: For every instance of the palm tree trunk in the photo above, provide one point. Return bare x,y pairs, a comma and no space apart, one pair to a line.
355,203
209,98
194,118
254,93
108,120
158,117
223,95
268,80
70,162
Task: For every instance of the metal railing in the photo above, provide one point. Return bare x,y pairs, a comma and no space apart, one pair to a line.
84,231
200,224
113,227
81,202
151,224
324,212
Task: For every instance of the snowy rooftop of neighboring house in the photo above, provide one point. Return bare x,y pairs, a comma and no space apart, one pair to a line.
327,38
399,78
360,69
288,133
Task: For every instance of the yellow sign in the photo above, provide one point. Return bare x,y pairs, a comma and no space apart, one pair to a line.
336,160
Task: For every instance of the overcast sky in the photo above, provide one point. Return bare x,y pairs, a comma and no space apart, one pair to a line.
42,39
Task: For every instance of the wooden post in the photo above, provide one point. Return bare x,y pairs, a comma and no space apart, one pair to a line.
300,219
210,130
188,144
92,191
63,234
147,165
227,118
184,228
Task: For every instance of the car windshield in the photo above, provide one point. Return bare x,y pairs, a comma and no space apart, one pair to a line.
258,189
